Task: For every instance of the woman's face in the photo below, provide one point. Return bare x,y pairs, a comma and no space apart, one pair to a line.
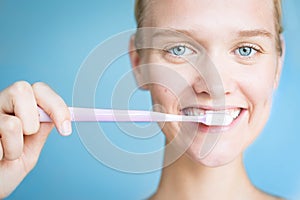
237,75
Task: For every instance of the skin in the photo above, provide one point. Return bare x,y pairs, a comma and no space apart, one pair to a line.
22,136
221,28
219,175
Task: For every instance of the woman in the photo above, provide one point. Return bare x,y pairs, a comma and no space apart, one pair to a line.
242,41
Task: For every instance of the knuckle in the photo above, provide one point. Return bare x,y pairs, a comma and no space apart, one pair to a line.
39,85
19,88
12,124
11,156
35,128
32,127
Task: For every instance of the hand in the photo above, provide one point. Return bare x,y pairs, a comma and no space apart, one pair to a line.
22,136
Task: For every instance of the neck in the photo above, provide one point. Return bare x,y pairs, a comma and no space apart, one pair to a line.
185,179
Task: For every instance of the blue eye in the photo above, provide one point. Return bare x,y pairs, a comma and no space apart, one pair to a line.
246,51
180,51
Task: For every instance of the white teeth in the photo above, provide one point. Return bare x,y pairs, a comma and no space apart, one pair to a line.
218,119
193,112
214,117
235,113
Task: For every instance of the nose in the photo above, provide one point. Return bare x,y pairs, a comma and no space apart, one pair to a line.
214,82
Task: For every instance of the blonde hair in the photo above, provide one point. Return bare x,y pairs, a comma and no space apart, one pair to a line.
141,7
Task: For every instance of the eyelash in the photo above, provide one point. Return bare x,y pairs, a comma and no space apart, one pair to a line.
253,47
178,58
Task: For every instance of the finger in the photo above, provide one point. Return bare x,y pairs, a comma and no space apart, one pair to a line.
54,106
33,145
18,99
11,137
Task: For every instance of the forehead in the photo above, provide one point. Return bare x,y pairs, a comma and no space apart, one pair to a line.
211,15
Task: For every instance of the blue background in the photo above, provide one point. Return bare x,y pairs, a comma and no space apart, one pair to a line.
48,40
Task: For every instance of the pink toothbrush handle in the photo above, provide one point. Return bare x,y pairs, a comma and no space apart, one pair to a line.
105,115
109,115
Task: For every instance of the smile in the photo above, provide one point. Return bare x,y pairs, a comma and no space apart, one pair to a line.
220,117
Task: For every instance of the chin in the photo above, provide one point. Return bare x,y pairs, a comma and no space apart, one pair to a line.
212,159
214,162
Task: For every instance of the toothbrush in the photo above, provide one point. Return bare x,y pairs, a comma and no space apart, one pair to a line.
110,115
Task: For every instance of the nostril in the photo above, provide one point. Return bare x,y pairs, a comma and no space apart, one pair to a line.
227,93
200,86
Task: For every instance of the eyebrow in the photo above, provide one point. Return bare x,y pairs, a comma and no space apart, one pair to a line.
176,32
242,33
255,33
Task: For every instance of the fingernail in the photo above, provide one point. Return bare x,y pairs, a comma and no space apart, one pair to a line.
66,128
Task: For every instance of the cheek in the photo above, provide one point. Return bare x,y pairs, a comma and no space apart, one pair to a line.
162,98
258,87
258,91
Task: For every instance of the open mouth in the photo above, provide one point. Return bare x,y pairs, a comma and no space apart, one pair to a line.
214,117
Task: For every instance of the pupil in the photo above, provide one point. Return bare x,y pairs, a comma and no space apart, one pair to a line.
245,51
179,50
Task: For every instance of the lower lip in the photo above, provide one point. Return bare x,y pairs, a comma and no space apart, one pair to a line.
218,129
